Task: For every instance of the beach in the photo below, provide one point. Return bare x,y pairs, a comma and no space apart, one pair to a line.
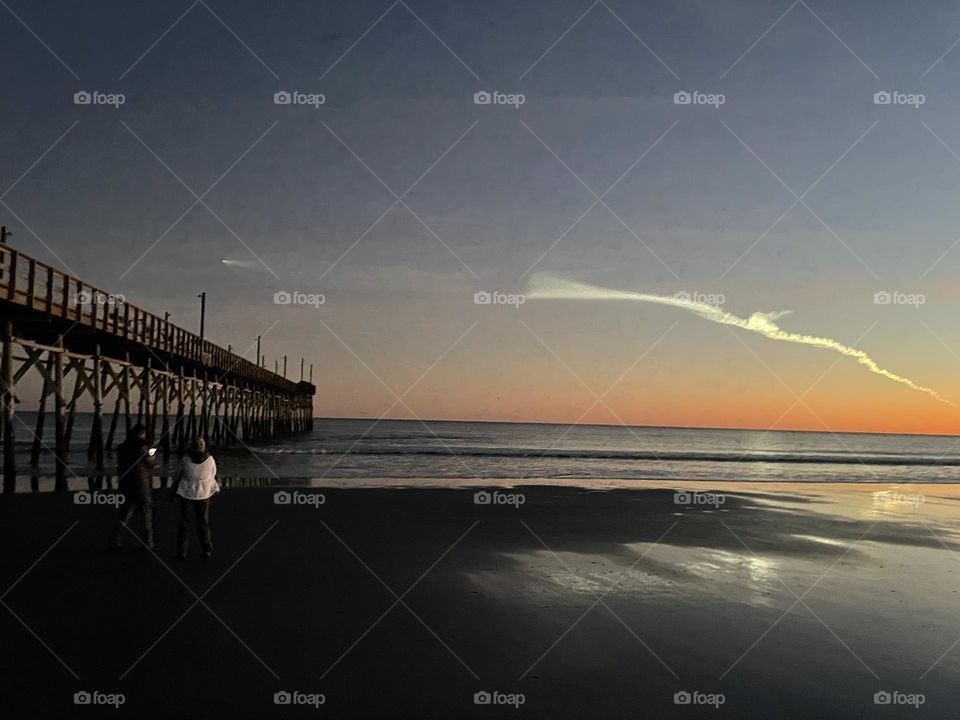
510,359
725,600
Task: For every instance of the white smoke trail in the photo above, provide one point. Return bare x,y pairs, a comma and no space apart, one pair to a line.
248,264
551,287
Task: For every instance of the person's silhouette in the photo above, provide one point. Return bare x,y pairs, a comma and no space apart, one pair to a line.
135,482
196,483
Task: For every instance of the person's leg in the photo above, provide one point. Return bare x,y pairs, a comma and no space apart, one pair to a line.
154,519
202,510
124,517
147,507
182,528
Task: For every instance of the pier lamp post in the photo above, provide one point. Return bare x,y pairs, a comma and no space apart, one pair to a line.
203,312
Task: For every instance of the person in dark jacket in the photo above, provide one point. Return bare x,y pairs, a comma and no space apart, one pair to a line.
135,472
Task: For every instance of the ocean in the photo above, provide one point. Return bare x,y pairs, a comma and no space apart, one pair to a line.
400,452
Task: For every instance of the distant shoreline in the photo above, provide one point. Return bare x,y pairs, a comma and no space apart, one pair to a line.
536,423
645,427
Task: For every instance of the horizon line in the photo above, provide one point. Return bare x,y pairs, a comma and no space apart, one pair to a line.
609,425
655,427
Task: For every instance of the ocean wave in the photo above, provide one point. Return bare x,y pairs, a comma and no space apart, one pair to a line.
628,455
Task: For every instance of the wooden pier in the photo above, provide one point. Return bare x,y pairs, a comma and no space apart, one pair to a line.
175,382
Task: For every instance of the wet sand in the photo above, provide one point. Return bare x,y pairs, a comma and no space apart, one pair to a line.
408,602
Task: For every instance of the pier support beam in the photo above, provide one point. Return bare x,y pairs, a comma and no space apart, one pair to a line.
165,424
60,427
95,449
113,424
41,416
125,395
192,417
9,449
178,426
145,390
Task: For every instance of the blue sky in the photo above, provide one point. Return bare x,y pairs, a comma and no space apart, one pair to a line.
599,82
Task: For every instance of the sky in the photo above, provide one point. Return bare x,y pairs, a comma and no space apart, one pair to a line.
399,198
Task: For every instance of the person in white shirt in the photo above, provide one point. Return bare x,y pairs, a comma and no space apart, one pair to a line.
196,483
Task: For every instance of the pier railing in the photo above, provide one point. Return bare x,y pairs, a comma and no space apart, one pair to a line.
35,285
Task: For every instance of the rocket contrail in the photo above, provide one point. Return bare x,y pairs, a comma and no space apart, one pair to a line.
249,264
551,287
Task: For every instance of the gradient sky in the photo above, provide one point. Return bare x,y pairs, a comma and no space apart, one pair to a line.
399,308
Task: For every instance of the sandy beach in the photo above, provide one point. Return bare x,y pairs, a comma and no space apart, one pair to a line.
543,359
760,601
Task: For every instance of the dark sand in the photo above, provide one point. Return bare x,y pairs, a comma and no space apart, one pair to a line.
498,611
